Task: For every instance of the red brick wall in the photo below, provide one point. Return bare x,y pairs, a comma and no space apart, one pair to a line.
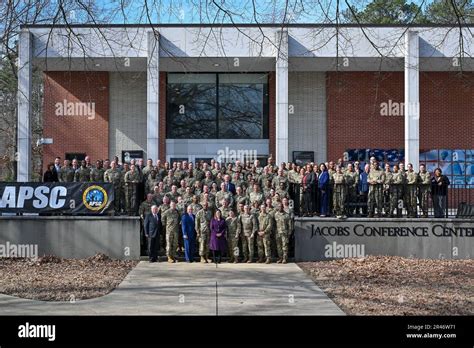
353,110
162,121
76,133
272,114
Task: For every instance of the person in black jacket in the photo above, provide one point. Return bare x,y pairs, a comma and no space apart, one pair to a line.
50,175
152,227
439,191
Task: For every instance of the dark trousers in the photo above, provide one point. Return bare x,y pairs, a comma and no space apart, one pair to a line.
189,248
216,256
153,247
324,202
363,202
308,201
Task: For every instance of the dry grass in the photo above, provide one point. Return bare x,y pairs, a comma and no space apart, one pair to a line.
54,279
389,285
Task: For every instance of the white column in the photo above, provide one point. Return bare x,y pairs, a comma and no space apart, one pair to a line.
281,75
23,155
152,97
412,99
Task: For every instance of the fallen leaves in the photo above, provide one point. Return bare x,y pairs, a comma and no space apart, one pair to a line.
391,285
50,278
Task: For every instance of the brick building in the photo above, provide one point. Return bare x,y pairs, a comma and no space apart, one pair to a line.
302,92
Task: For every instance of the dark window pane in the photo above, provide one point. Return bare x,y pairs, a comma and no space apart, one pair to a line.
243,106
191,111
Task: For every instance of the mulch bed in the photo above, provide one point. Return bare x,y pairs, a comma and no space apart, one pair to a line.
389,285
50,278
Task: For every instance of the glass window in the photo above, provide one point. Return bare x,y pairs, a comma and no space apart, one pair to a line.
191,111
217,106
242,106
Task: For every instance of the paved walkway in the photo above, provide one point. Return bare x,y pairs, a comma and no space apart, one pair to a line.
190,289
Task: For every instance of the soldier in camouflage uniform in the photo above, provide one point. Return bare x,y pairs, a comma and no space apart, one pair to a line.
173,194
233,234
225,209
203,232
352,182
339,193
396,191
255,196
265,226
249,226
424,189
279,179
412,184
283,230
145,208
97,172
131,179
386,189
224,194
170,219
66,173
151,181
195,205
375,180
83,174
161,210
114,176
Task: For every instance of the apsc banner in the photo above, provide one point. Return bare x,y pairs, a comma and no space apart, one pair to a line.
68,198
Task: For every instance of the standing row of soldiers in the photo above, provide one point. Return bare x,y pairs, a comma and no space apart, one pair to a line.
386,192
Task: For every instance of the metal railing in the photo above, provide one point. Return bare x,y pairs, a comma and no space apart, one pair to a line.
459,202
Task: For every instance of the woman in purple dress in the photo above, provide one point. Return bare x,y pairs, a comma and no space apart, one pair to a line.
218,243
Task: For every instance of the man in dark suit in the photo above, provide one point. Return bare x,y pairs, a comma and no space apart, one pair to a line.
56,169
229,186
309,181
152,227
189,233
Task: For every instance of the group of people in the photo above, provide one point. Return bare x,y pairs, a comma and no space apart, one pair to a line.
240,207
339,190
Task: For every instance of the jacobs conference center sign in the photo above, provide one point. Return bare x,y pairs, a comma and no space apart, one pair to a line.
324,239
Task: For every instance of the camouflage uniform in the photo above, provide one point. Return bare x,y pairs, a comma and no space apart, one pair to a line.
375,191
283,230
170,219
233,233
424,191
386,192
249,228
352,182
83,174
97,174
114,176
255,197
67,174
131,186
203,220
412,183
396,193
339,195
263,242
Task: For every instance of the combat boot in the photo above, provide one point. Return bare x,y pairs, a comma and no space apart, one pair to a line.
260,260
236,261
268,260
245,260
279,261
284,260
170,259
203,259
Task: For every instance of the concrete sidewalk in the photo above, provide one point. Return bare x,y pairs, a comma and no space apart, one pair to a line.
195,289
